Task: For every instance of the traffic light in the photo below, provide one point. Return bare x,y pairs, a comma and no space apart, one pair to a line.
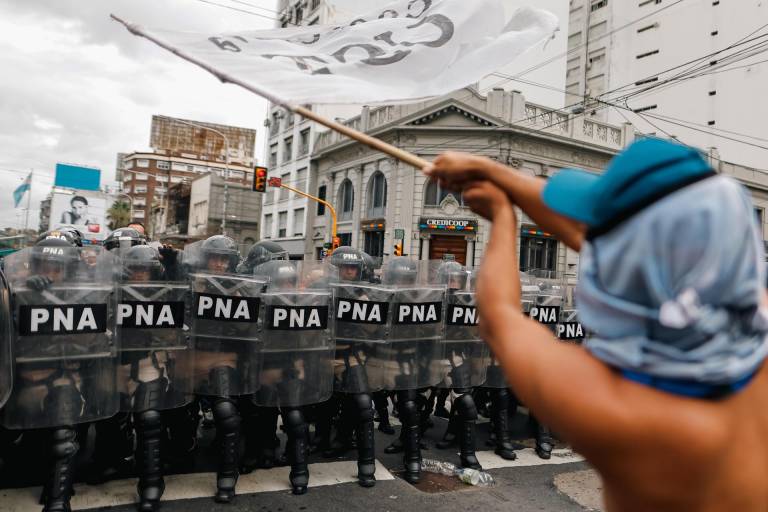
260,179
399,248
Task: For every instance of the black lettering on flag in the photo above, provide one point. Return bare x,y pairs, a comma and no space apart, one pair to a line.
62,319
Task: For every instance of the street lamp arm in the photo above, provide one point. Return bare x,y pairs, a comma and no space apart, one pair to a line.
321,201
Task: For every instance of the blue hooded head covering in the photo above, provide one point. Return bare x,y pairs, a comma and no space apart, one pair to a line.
674,289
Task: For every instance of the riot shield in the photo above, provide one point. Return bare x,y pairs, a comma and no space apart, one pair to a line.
65,338
362,315
6,332
548,300
569,328
466,354
495,377
225,336
151,316
298,344
411,358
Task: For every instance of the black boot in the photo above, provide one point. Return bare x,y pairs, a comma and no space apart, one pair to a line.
382,410
228,433
58,489
450,437
366,457
297,449
467,414
113,446
409,416
345,426
544,442
500,419
149,428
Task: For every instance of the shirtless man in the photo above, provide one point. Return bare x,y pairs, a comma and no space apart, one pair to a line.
671,264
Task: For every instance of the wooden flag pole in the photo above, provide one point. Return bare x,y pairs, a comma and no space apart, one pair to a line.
372,142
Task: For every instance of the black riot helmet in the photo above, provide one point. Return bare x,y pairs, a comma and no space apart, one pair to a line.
453,275
74,232
54,258
142,263
262,252
60,234
281,273
369,267
219,254
123,238
349,262
400,270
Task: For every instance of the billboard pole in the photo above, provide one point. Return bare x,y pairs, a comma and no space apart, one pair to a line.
29,199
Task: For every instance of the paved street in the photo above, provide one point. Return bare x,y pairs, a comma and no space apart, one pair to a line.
527,484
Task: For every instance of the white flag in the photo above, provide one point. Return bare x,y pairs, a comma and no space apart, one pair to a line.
410,49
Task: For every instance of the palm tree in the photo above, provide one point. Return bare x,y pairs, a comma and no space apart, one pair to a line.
119,214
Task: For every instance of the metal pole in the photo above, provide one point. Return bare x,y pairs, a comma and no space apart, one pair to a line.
321,201
226,188
29,198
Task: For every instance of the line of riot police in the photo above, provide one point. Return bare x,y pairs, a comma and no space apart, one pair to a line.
129,337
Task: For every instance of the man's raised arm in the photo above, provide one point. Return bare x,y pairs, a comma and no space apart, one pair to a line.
455,171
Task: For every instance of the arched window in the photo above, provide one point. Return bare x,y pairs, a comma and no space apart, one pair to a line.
434,195
377,195
346,200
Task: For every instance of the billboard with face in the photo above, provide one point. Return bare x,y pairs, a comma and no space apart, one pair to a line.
85,210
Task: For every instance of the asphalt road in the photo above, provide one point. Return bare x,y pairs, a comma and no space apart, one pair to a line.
527,484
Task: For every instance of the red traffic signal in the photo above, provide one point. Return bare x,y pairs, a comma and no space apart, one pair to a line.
260,179
275,182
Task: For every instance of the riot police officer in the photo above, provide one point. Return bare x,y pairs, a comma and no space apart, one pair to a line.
123,238
356,335
65,350
464,366
225,338
410,359
151,315
259,423
297,352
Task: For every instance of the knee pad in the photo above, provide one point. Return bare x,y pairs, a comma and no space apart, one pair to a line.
150,395
226,415
149,421
224,381
465,406
409,412
293,419
364,406
64,443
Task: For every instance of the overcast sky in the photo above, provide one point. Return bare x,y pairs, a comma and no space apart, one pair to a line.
76,87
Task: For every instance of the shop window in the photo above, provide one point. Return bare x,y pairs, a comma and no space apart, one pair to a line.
537,253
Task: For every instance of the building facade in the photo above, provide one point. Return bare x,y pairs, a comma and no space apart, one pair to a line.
688,70
290,138
380,200
183,150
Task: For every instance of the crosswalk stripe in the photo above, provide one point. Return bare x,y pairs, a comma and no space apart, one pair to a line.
195,485
527,457
202,485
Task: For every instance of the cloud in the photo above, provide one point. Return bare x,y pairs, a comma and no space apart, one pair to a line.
78,88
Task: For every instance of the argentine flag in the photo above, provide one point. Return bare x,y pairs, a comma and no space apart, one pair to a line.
18,194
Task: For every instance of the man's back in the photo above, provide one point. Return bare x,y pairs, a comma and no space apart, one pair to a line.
688,454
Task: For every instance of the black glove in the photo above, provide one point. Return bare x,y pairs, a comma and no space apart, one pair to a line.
39,283
168,254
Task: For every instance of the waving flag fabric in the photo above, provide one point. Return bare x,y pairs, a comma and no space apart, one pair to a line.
406,50
22,189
